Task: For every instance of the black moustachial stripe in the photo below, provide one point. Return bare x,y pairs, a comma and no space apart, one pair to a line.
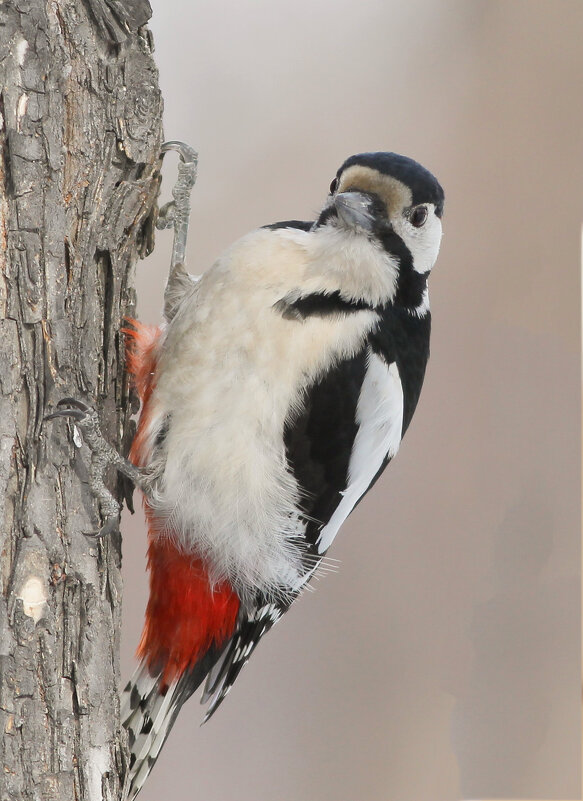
410,284
319,304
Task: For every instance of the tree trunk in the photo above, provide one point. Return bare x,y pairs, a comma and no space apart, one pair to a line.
80,132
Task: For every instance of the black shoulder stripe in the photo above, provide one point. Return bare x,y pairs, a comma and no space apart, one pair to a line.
300,224
319,304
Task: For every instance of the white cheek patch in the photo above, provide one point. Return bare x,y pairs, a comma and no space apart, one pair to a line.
423,243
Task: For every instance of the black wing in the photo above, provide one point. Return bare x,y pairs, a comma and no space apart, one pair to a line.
346,418
319,440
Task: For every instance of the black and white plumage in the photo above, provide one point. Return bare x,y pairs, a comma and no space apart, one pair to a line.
281,387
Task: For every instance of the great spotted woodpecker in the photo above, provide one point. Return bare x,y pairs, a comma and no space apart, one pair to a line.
274,395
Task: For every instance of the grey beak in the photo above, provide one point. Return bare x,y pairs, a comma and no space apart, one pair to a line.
354,210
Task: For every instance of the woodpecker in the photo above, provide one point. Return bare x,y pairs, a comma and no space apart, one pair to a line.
272,398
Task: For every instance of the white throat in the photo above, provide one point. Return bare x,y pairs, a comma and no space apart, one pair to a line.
338,259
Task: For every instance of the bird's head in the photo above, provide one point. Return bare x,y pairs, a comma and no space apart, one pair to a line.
397,203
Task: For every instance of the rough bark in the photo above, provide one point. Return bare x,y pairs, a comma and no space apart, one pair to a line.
80,131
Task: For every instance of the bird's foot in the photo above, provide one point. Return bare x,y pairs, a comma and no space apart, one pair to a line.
103,455
176,213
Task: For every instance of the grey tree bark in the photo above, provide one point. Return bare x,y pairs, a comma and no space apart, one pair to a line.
80,133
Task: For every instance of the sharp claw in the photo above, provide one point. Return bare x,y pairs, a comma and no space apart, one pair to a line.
86,423
187,153
71,407
76,414
107,528
74,402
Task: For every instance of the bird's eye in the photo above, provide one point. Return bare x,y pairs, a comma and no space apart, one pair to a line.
334,186
418,216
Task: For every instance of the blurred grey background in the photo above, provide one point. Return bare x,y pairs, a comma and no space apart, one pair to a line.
442,661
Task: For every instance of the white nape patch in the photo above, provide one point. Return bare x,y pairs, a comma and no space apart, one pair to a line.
423,243
379,415
34,598
21,50
231,369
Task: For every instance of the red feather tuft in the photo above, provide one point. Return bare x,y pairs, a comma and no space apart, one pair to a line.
185,615
141,358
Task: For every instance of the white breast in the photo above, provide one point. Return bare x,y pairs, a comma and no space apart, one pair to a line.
231,370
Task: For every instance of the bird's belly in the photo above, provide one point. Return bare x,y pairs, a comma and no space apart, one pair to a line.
226,491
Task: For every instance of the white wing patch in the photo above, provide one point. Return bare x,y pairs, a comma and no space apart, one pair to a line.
379,415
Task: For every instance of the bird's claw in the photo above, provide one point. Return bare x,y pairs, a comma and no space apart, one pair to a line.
86,420
176,213
187,153
103,455
71,407
110,525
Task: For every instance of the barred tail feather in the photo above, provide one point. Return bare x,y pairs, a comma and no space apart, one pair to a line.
188,624
236,653
148,711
